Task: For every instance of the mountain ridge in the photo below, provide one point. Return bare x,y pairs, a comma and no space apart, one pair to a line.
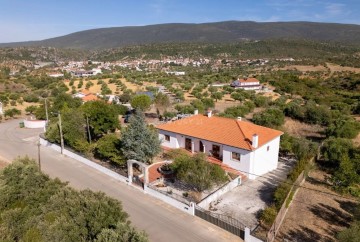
215,32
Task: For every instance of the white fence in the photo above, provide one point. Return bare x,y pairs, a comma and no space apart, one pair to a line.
85,161
190,209
218,193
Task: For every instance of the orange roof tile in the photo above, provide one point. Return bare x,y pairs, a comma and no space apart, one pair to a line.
251,79
221,130
90,97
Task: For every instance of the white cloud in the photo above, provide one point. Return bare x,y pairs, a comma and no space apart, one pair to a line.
335,9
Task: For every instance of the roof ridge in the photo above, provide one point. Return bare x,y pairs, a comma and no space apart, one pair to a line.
237,122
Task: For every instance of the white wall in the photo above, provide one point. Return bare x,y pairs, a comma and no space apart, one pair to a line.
34,124
171,201
173,143
214,196
264,160
244,165
46,143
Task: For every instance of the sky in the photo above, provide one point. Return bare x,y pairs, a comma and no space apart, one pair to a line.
25,20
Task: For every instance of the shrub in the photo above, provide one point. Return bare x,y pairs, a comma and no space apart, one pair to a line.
31,98
197,172
280,194
268,215
175,153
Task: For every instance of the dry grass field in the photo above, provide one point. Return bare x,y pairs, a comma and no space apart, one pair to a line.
299,129
303,68
316,216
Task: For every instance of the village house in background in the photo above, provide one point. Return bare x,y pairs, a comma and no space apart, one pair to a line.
247,84
241,145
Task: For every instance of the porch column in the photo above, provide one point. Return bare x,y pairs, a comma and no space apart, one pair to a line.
146,175
204,148
192,146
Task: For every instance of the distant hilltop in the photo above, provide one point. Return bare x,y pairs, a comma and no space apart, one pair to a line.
219,32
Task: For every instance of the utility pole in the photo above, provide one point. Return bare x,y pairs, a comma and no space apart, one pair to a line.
38,144
61,134
46,110
88,128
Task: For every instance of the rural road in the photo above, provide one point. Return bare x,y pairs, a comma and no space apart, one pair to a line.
160,221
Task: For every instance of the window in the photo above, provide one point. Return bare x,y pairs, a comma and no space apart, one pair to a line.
235,156
167,137
268,148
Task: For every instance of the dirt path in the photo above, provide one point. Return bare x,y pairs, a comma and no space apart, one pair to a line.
3,164
315,216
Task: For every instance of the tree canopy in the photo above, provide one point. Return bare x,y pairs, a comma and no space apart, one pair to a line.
139,141
196,171
34,207
102,117
141,102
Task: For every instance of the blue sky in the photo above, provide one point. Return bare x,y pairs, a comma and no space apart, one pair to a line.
22,20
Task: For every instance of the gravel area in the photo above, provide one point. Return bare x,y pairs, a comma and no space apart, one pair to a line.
246,201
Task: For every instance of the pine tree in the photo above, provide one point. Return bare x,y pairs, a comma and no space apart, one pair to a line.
139,142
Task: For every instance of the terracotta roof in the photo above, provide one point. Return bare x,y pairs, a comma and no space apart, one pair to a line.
221,130
90,97
249,80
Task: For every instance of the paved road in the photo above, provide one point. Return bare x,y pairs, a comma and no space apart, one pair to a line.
161,221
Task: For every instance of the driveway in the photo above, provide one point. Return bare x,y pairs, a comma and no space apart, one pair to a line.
247,200
161,221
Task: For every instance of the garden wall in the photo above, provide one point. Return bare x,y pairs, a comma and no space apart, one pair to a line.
190,209
34,124
218,193
85,161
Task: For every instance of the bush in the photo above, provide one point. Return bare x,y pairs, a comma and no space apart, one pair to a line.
268,215
34,207
31,98
271,118
281,193
197,172
175,153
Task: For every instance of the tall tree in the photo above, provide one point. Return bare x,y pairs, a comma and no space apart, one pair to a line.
139,141
162,102
102,117
141,102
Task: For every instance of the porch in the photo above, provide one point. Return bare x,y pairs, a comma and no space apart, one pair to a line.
212,160
194,145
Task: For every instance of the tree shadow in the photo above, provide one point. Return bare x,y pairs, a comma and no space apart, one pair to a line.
318,182
331,215
305,235
349,206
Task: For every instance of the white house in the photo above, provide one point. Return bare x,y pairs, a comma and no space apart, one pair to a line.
246,84
241,145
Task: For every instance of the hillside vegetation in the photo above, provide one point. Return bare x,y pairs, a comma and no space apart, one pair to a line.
219,32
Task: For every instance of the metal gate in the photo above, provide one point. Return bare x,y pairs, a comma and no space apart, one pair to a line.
225,222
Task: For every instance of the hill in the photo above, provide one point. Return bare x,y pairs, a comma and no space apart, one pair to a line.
219,32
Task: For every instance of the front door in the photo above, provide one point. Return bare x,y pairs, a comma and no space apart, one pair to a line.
188,144
201,147
216,151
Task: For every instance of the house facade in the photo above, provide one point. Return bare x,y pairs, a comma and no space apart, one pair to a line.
247,84
243,146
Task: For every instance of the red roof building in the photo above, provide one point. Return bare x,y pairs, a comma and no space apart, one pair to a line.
241,145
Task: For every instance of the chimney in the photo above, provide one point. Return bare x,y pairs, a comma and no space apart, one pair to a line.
255,141
239,118
209,113
196,112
